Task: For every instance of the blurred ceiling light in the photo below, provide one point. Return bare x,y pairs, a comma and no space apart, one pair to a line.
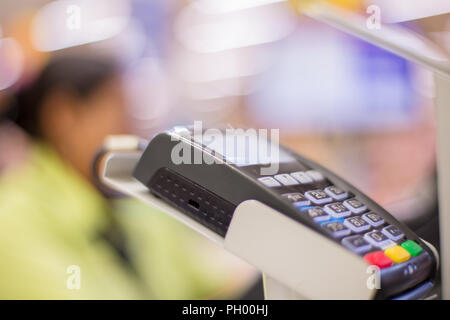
218,89
214,33
232,64
11,62
405,10
226,6
211,110
67,23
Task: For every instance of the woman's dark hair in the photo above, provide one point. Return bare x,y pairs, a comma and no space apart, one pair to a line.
79,75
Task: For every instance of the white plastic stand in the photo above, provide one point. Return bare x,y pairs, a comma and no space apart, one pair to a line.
297,262
443,153
408,45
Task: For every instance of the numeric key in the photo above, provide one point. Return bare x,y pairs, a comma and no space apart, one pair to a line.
356,244
337,210
336,193
373,219
356,224
336,229
355,206
379,240
392,232
318,197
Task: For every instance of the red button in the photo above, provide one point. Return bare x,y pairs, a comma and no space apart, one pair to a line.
378,259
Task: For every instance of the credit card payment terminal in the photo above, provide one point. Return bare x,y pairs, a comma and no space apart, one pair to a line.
205,180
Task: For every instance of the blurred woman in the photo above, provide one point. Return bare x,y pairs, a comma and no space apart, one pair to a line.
59,237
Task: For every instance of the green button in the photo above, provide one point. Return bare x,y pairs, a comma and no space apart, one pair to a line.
413,248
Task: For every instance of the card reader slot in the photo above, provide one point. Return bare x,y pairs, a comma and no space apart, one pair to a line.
198,203
194,204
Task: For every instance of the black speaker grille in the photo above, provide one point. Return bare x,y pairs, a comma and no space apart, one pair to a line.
198,203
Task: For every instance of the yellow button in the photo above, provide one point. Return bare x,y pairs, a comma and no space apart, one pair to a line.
397,254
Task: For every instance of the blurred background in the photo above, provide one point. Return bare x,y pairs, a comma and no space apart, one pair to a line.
355,108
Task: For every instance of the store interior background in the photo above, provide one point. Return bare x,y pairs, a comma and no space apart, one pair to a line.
359,110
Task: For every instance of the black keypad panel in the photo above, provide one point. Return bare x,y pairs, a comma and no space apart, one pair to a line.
338,212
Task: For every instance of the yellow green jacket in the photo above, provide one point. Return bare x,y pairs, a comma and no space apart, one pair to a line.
50,221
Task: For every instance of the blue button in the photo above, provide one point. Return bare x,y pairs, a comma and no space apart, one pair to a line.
340,220
303,208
